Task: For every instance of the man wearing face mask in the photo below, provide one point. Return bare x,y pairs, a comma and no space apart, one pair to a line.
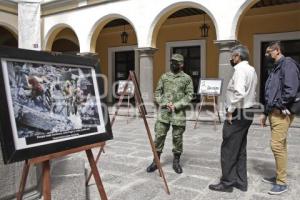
240,98
173,94
281,89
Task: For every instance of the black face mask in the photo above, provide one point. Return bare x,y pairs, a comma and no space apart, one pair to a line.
269,59
232,63
175,67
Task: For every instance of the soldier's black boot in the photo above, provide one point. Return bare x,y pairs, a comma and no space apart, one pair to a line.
153,166
176,166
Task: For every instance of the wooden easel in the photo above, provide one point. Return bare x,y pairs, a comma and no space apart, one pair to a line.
128,107
129,96
45,161
215,109
143,112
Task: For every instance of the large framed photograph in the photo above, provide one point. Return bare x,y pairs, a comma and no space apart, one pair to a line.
210,86
49,103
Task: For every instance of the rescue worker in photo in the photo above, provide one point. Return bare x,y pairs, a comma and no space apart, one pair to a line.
37,88
68,93
38,91
78,98
173,94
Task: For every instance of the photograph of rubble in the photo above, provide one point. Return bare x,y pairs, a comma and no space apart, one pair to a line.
51,102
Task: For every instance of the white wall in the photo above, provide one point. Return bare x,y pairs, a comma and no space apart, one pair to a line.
144,15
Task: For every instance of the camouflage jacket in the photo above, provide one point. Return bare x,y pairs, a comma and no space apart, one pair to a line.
175,88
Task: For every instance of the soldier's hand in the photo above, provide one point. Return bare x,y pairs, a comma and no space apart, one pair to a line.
171,107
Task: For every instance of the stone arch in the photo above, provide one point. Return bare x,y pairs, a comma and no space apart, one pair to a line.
11,30
65,45
240,14
99,25
53,32
167,11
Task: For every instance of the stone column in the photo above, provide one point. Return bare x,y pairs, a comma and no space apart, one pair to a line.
225,69
29,24
29,32
146,76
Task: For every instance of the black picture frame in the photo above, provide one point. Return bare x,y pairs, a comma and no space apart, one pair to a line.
31,122
215,85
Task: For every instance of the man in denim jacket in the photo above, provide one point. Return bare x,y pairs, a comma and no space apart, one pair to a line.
281,89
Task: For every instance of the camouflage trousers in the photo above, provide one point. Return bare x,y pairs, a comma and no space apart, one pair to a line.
161,129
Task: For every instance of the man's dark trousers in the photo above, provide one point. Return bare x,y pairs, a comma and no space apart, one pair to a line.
234,148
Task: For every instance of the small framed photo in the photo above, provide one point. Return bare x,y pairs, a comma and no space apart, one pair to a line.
49,103
210,86
129,90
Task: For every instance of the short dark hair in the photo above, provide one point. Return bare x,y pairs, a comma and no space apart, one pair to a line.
242,51
276,45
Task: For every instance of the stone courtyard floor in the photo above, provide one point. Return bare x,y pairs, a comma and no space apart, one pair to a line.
123,166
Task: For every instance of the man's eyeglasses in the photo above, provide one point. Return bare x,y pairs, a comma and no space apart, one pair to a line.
269,51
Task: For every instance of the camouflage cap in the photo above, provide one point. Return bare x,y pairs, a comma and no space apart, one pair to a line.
177,57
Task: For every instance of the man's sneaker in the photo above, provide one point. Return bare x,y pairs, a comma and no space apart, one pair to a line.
278,189
271,180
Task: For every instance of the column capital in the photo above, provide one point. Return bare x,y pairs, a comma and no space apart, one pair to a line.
29,1
146,51
226,45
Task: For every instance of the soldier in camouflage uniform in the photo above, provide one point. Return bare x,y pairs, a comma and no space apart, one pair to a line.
173,93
